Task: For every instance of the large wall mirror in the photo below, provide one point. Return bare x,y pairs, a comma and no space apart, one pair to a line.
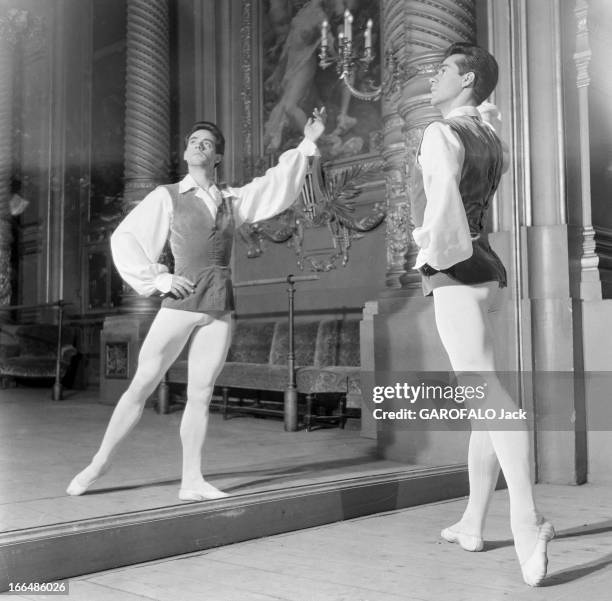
65,119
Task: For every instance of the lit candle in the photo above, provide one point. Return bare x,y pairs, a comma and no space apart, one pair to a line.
324,27
348,24
340,38
368,35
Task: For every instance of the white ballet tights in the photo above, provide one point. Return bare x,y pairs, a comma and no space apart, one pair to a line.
463,325
483,472
169,332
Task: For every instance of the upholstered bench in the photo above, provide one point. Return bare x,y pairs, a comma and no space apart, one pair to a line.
30,352
335,370
326,360
250,366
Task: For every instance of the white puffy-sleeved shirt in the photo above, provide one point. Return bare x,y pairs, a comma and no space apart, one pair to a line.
444,237
139,239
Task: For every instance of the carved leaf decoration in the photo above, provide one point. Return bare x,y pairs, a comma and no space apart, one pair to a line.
369,222
279,228
251,239
341,189
327,200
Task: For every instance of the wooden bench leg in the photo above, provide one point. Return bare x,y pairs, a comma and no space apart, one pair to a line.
342,409
225,395
308,416
57,391
163,396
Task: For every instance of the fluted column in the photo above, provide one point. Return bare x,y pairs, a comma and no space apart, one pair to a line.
589,282
147,116
415,32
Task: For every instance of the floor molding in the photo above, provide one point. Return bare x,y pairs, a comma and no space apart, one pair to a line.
71,549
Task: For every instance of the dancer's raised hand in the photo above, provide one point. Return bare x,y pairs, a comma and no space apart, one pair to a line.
315,125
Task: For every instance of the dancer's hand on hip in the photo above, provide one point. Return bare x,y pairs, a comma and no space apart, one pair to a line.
181,287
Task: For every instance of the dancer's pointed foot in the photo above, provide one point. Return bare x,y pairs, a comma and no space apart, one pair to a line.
534,568
85,479
468,542
203,491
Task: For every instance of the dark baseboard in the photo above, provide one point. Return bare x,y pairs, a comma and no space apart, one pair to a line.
56,552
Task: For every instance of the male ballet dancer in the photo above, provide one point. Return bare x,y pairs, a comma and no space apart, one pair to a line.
199,219
462,159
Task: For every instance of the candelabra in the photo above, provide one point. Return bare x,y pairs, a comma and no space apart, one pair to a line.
346,62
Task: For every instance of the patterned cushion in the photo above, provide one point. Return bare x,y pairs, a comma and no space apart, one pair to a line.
40,339
254,376
251,342
338,343
304,339
8,350
31,367
36,351
326,351
312,380
349,352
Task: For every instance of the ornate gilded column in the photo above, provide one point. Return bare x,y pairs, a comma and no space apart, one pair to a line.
415,32
147,115
398,219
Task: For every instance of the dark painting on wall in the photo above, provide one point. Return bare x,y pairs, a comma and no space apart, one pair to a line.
294,84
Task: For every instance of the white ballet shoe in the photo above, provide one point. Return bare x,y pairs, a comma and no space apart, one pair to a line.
77,487
206,493
468,542
534,568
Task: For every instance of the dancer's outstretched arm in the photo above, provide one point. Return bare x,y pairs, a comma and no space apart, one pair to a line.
280,186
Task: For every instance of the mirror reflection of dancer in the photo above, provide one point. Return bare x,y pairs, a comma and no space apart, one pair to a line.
199,220
461,159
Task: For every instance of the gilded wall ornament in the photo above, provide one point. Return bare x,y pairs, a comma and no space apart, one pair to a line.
327,200
398,229
391,81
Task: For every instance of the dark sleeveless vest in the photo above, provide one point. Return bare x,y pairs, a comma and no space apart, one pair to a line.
482,170
202,248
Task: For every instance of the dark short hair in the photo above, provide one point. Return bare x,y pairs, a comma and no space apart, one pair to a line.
211,127
481,63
